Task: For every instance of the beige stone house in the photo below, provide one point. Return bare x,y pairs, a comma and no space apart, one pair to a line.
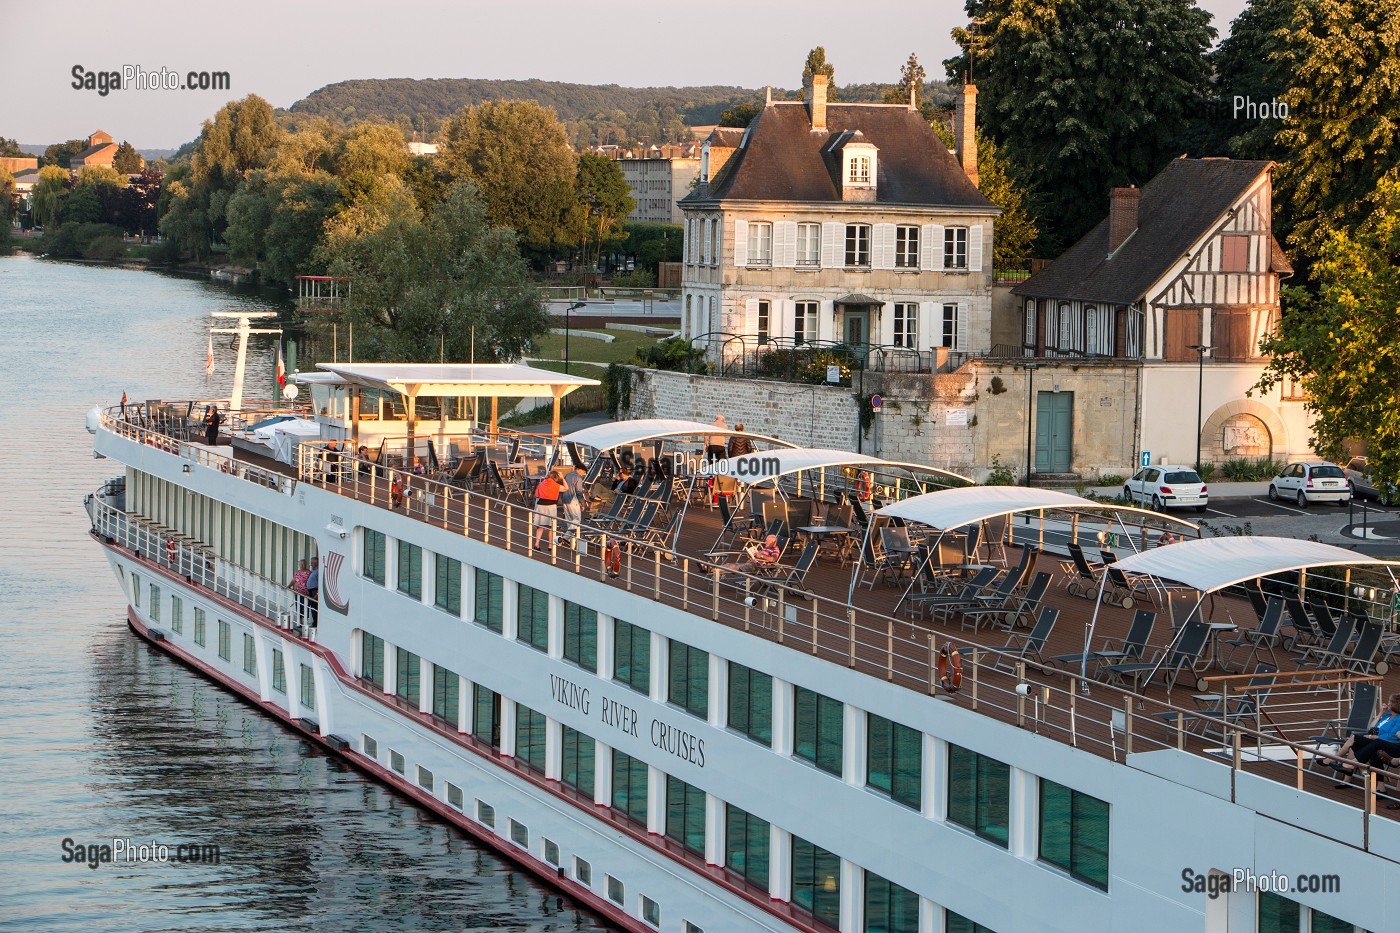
827,223
1159,308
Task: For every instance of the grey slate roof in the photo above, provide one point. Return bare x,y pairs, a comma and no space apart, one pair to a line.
784,160
1180,205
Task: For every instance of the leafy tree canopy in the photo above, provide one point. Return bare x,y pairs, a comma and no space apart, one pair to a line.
1248,65
911,78
1339,340
604,200
740,114
49,193
1016,230
90,175
60,153
818,65
127,159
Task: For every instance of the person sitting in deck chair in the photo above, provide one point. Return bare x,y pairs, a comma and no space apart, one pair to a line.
759,557
1378,745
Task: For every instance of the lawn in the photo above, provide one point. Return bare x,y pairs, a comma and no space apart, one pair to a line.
628,342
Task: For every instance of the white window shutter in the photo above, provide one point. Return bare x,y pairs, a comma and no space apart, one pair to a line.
749,325
741,243
785,250
935,247
833,245
962,345
926,247
884,246
974,248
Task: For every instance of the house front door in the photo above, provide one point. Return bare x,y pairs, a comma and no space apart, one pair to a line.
1054,427
857,328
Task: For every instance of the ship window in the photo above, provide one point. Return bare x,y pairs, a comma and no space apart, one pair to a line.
454,795
1074,832
486,715
979,790
372,659
629,787
529,737
411,569
583,872
487,600
688,684
581,636
374,549
199,625
894,760
279,672
651,913
688,927
446,692
408,670
551,852
485,813
396,761
750,703
746,845
425,778
818,730
447,594
632,656
957,923
578,764
816,881
615,892
369,746
308,689
250,655
532,617
155,603
1279,914
177,615
136,590
225,636
889,908
520,834
685,814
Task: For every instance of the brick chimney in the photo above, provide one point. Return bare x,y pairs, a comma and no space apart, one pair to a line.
1122,216
816,100
964,131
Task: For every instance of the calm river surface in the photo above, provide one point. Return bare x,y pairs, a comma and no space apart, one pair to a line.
102,738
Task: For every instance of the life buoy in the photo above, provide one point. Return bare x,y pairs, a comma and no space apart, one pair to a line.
614,559
950,669
170,549
863,485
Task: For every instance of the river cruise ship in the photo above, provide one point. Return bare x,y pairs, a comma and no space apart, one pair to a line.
783,690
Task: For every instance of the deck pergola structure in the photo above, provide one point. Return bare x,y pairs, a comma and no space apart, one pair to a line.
1209,565
453,380
950,509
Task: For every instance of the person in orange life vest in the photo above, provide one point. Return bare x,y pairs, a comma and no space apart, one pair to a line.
547,507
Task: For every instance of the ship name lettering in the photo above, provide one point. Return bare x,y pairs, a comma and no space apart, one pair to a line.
568,693
619,715
678,742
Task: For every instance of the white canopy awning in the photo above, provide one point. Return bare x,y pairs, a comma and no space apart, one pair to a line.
954,508
1211,564
459,380
797,459
620,433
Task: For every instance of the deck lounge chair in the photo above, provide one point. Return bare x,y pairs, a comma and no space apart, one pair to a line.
1189,653
1018,611
966,596
1264,638
1363,708
1302,624
1226,710
1334,653
1363,658
1115,651
1027,647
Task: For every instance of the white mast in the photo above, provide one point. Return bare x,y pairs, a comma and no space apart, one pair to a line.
242,330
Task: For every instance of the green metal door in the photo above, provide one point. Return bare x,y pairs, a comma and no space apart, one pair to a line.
1054,427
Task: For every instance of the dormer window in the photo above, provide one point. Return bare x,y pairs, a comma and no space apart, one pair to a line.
857,166
859,170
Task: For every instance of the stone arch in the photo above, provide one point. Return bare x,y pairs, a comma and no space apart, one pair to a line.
1255,429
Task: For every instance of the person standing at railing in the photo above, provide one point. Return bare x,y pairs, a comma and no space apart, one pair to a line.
212,420
313,592
715,443
300,589
547,507
571,498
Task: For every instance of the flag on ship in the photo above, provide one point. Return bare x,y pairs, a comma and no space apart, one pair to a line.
209,357
281,369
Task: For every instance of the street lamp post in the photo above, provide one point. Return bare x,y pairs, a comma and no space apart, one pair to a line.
568,326
1030,369
1201,351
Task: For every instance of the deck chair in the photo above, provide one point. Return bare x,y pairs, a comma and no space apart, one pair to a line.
1028,647
509,488
1118,651
993,599
791,577
1257,599
1019,611
1188,653
1364,653
1121,588
1334,653
1085,580
967,596
1322,617
1264,638
1301,623
462,474
1363,708
663,535
1242,707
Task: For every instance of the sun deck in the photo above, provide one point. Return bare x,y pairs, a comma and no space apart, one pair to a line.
865,634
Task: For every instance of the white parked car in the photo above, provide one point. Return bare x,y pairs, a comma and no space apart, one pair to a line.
1309,482
1167,487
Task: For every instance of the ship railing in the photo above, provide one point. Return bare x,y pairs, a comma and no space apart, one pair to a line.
195,562
144,430
1107,719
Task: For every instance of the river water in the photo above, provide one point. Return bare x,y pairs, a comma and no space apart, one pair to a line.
102,738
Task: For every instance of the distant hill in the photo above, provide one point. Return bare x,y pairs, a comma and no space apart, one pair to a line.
593,114
147,154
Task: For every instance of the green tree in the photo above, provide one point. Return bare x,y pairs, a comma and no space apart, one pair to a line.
1017,230
93,175
817,64
83,206
48,196
1248,65
9,149
517,155
60,153
242,137
1342,134
741,114
420,286
1339,340
7,204
1084,96
911,78
127,160
604,201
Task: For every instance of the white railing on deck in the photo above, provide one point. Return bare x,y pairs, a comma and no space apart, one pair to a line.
113,421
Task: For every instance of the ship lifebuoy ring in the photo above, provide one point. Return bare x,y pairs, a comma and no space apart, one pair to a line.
950,669
614,559
170,549
863,485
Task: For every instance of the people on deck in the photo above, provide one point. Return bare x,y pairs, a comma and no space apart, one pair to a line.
739,444
547,507
416,468
571,497
765,555
299,589
313,592
212,420
1378,745
715,443
626,483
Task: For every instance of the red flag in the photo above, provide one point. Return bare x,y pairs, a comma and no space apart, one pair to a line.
209,357
281,368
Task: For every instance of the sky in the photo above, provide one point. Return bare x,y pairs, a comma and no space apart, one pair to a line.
283,50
